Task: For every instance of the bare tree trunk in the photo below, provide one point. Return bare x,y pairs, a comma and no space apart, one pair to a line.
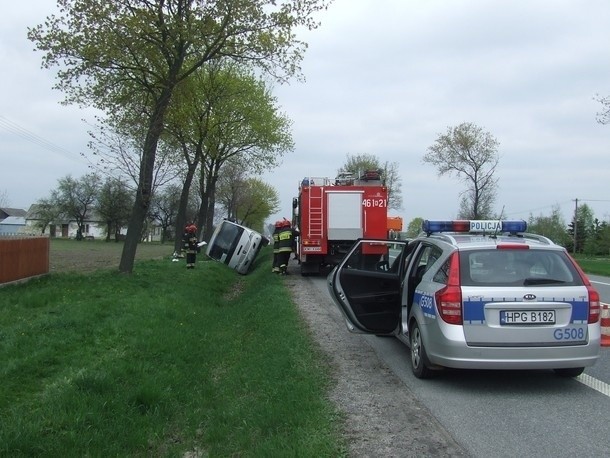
143,195
182,207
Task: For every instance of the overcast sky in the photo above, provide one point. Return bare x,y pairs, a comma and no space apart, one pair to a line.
384,77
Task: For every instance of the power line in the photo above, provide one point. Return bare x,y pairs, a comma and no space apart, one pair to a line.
22,132
557,204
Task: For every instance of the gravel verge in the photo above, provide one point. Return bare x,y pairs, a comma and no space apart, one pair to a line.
382,416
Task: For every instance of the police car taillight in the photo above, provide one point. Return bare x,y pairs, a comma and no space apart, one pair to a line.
594,305
474,226
449,298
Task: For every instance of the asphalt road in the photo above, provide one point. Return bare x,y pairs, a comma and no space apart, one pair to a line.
511,413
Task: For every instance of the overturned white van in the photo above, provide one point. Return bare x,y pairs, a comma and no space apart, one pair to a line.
235,245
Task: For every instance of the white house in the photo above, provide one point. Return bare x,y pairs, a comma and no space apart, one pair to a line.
65,228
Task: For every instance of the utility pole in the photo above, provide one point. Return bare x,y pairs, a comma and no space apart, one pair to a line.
575,225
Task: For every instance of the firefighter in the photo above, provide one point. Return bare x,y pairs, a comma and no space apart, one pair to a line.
286,239
189,243
276,247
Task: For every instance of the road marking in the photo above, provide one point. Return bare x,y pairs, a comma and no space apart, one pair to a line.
599,282
592,382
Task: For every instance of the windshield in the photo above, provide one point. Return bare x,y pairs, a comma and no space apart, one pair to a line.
227,238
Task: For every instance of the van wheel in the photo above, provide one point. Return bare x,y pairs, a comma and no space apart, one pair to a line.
419,358
569,371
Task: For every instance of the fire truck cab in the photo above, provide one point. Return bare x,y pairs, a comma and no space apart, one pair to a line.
331,214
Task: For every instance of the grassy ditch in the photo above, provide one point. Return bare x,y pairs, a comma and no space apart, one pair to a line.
160,363
594,265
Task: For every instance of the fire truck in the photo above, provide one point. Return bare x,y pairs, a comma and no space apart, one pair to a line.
331,214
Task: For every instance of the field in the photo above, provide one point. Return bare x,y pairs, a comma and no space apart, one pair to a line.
594,265
88,256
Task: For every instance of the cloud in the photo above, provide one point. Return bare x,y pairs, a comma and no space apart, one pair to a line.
386,77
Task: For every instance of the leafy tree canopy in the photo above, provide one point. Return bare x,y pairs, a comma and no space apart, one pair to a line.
359,163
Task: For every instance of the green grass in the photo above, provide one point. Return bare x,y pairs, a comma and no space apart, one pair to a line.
161,362
594,265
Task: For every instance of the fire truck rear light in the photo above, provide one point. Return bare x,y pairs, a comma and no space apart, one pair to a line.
308,242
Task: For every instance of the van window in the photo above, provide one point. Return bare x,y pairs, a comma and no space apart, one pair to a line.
225,242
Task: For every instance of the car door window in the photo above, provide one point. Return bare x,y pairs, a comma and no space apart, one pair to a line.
425,258
367,285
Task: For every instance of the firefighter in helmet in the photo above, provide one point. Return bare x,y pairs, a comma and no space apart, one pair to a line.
189,243
276,247
286,245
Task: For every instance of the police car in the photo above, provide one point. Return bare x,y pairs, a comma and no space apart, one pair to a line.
473,295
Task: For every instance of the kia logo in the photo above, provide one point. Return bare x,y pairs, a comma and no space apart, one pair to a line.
529,297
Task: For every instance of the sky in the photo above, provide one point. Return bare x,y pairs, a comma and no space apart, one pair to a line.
383,77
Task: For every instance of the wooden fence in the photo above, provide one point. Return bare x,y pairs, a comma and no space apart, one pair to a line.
23,257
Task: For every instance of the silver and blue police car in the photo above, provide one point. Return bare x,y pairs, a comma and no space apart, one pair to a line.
473,295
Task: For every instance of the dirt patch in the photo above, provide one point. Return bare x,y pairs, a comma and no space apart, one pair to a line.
87,256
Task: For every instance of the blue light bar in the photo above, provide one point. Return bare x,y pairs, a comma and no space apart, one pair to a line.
514,226
474,226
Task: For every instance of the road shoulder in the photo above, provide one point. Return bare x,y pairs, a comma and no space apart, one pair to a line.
382,415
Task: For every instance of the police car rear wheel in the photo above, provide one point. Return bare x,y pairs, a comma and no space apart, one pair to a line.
570,371
419,359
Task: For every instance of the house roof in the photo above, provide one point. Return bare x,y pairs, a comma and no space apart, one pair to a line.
7,211
13,221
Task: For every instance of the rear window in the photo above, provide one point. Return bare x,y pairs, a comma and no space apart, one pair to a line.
517,268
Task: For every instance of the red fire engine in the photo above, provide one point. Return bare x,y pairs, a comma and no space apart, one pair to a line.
331,214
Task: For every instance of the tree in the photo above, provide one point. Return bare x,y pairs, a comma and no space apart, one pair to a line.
244,126
603,117
414,227
359,163
164,210
4,200
117,153
114,55
552,226
472,155
76,198
598,241
45,211
114,205
580,228
187,126
247,200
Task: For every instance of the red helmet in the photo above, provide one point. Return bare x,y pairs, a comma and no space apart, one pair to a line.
191,228
286,223
278,223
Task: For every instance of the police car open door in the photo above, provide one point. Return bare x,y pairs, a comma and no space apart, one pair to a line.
366,286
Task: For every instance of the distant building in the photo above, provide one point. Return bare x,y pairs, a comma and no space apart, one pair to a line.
12,221
5,212
64,227
12,225
94,227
